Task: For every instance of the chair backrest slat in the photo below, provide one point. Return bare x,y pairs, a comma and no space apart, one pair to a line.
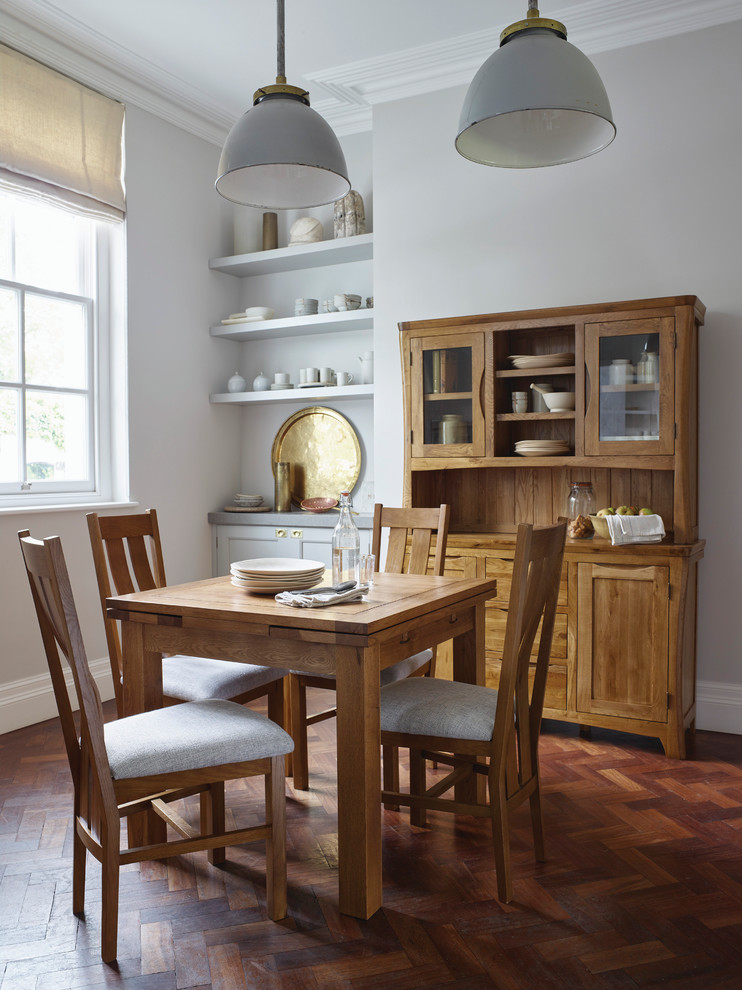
128,557
416,526
534,593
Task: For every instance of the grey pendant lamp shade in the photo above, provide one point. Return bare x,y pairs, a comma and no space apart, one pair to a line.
281,154
536,101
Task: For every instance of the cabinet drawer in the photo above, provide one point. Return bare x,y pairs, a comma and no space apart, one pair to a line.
501,568
494,634
556,683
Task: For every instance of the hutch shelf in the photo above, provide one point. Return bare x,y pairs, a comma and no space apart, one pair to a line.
624,653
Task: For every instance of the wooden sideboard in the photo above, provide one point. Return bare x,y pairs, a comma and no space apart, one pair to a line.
624,654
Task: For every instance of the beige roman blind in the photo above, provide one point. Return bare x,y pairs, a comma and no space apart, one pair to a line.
59,139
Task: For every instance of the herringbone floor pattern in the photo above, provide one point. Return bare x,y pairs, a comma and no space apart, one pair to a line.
642,887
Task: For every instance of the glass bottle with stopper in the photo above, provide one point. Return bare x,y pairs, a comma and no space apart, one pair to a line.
346,545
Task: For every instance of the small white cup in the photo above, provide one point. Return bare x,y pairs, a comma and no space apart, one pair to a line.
312,374
282,378
520,402
302,376
344,378
327,376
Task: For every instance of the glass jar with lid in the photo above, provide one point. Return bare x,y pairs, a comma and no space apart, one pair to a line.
580,506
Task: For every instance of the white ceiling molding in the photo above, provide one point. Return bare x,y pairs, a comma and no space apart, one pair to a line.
344,95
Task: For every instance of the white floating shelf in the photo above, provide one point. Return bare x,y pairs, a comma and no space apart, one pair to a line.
302,395
296,326
291,259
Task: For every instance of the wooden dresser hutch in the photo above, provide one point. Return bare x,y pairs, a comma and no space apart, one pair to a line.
625,642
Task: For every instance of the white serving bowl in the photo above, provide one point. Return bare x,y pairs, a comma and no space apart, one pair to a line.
559,401
259,313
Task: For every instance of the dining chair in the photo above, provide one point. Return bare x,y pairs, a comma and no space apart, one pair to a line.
127,553
146,761
410,535
479,730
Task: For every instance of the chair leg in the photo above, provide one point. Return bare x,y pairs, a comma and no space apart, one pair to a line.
275,809
417,786
390,768
501,841
213,818
298,709
79,858
110,866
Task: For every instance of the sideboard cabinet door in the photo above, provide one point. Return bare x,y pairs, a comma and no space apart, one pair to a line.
622,643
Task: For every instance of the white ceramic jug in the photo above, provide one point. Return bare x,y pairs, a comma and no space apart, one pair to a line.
367,367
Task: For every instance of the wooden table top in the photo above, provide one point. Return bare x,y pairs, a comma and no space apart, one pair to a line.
393,598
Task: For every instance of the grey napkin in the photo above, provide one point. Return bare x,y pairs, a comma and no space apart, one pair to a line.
319,598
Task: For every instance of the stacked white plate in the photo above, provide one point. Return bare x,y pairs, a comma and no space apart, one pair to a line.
269,575
248,501
526,361
541,448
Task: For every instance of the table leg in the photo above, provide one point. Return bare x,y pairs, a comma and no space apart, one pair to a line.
359,780
142,676
469,666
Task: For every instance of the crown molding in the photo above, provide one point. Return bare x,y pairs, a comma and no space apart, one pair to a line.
344,95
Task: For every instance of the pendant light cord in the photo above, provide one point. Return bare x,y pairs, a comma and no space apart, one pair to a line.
280,42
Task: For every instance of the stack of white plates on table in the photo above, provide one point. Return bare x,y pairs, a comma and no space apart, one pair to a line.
541,448
269,575
526,361
248,501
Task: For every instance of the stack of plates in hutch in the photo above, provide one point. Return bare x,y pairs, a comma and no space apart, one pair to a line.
527,361
541,448
269,575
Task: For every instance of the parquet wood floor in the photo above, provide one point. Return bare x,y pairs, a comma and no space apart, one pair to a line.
642,887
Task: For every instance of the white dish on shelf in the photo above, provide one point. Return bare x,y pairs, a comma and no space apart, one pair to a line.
311,385
279,388
243,319
527,361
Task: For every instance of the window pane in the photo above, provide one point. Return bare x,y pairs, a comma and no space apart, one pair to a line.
9,370
10,461
57,437
6,241
47,247
56,342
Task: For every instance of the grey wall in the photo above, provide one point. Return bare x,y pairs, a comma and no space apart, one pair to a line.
657,213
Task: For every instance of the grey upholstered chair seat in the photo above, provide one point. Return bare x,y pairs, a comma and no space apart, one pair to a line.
196,678
190,736
397,670
427,706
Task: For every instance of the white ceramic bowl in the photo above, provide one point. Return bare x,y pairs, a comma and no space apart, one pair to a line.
259,313
559,401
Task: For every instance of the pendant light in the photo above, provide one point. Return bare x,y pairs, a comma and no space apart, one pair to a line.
536,101
281,154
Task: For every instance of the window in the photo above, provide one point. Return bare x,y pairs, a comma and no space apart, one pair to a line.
58,399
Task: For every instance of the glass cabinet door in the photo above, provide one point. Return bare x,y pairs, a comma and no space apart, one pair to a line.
630,387
446,381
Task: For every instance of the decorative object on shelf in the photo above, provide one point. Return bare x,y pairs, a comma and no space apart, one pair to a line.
621,372
327,376
453,429
311,376
261,383
539,389
580,506
349,217
236,383
526,362
320,504
369,302
270,231
647,368
367,367
345,301
344,378
520,402
541,448
536,101
282,486
281,154
306,307
323,449
248,501
560,401
305,230
254,314
328,306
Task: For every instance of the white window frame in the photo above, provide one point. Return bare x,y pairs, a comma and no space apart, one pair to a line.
108,434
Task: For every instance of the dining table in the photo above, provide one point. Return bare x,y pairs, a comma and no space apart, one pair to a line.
401,614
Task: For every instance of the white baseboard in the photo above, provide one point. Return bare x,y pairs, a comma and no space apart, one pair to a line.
31,699
719,707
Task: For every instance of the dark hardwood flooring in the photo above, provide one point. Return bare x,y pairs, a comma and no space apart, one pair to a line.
642,886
